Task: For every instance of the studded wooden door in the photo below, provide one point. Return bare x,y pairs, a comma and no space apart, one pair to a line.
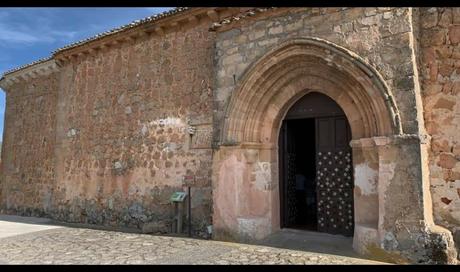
287,144
334,176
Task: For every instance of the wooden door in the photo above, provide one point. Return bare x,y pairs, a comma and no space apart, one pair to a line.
334,176
289,208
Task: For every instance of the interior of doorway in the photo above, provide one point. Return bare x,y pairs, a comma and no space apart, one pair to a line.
303,140
316,172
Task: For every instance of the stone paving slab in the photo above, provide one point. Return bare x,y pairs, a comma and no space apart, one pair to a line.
66,245
87,246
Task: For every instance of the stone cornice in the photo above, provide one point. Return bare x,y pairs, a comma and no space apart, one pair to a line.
392,139
123,28
231,19
155,25
40,68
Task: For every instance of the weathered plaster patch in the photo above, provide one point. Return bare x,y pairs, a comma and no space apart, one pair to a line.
226,193
72,132
253,227
168,121
363,238
366,179
389,241
387,172
263,175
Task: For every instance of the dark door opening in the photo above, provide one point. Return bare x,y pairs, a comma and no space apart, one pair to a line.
316,186
301,168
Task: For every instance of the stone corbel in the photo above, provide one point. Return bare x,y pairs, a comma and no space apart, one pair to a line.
114,43
33,74
142,34
15,79
193,20
9,82
33,71
73,57
24,76
129,39
174,25
103,47
54,67
4,83
159,30
91,51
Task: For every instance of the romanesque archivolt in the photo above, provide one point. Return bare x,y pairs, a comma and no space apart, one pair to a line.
295,67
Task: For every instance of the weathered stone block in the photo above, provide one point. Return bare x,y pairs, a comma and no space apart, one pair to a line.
256,35
446,18
444,103
454,34
456,15
447,160
275,30
434,36
429,20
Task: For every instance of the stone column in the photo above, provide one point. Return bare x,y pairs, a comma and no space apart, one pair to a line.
366,202
405,227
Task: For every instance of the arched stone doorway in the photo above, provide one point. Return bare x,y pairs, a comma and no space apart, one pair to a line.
389,183
316,176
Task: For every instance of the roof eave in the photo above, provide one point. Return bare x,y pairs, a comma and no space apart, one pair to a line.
32,71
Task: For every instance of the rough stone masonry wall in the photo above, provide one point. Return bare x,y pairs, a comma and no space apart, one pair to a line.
440,77
122,140
379,35
28,147
383,37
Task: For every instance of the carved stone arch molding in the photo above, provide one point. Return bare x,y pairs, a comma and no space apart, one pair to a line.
392,201
292,69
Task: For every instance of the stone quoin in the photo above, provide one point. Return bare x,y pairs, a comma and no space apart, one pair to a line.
105,129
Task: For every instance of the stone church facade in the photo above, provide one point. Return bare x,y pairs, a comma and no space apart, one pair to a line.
105,129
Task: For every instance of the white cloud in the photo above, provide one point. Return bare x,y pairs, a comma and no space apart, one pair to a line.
9,35
157,10
42,31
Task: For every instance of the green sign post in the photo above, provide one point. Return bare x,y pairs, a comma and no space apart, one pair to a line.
178,196
178,199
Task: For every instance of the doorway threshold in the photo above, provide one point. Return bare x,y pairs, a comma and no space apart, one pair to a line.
307,240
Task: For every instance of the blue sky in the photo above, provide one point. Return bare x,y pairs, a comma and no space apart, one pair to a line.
29,34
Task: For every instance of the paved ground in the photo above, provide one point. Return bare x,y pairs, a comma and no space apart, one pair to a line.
34,241
312,242
14,225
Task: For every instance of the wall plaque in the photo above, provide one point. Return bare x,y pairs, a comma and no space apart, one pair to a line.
202,138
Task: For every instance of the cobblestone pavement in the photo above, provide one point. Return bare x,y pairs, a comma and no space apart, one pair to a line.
88,246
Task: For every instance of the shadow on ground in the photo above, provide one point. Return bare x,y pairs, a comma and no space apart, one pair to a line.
311,241
292,239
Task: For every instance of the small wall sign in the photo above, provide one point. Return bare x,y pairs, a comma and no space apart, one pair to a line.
178,196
